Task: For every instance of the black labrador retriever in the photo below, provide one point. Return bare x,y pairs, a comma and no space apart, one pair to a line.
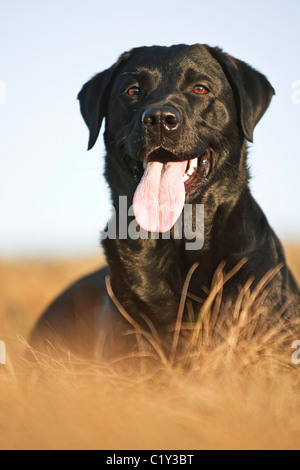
177,124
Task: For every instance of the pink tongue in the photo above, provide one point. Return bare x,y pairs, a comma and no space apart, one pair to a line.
160,196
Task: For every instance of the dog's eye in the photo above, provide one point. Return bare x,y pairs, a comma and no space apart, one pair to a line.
133,91
200,90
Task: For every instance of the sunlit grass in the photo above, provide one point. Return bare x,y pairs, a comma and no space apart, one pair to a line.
230,383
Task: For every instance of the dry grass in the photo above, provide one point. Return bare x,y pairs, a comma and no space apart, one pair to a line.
241,393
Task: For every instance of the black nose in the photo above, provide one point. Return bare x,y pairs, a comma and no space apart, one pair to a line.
163,119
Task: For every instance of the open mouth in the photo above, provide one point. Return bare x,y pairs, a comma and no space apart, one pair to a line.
166,185
197,169
196,173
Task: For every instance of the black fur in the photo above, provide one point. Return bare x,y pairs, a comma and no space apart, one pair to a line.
148,275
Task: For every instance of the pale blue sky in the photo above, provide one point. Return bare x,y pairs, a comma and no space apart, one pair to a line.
53,199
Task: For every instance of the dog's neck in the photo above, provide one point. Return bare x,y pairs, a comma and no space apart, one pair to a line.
135,282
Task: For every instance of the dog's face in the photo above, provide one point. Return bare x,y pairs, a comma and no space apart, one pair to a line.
171,101
174,116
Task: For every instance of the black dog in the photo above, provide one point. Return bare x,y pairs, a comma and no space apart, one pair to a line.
177,122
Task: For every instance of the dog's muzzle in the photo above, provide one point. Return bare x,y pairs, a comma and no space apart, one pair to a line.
163,120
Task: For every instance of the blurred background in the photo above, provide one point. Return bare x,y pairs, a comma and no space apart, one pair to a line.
53,197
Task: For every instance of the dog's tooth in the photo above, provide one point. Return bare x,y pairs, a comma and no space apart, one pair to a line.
185,178
194,162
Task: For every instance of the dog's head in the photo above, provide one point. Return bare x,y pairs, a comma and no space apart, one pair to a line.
174,115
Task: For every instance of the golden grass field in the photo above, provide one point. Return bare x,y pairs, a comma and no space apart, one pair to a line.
239,395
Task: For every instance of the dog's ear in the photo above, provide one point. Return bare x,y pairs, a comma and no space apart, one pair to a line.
252,90
94,99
